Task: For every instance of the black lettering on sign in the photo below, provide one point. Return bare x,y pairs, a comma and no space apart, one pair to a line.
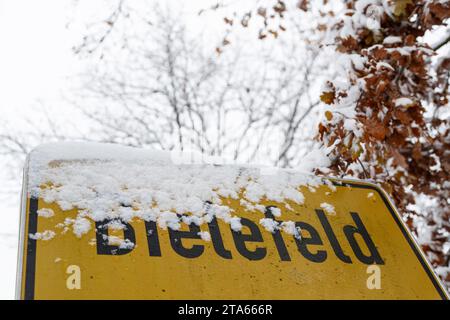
216,239
278,238
176,237
313,239
102,236
154,249
255,236
310,245
350,232
332,237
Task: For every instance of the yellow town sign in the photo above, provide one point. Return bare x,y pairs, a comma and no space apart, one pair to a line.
359,250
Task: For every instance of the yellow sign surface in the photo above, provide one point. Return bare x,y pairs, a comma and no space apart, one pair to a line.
362,250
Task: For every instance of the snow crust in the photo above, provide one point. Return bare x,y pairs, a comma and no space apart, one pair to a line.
328,208
392,40
117,183
403,102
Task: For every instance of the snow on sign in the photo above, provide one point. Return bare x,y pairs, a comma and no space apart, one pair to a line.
107,222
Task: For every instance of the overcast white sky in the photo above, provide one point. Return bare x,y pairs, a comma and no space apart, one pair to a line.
35,55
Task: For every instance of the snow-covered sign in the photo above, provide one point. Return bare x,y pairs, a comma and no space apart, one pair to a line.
102,221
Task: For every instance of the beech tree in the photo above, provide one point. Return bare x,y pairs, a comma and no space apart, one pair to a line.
398,131
388,108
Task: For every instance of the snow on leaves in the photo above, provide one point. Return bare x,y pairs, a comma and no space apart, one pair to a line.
395,84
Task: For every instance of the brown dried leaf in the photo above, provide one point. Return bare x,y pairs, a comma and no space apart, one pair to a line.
328,97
